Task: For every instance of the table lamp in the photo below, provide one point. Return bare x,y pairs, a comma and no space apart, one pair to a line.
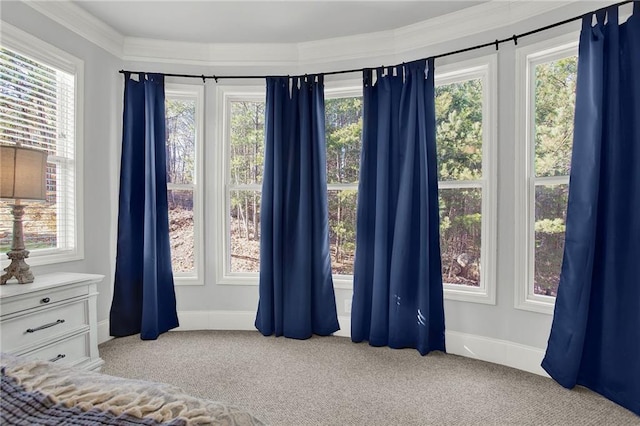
22,177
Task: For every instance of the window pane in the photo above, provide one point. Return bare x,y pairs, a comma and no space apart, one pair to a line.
460,235
551,212
39,225
343,124
554,108
181,230
181,139
37,105
247,142
244,225
459,130
342,230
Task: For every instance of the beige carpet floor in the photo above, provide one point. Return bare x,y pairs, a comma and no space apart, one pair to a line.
332,381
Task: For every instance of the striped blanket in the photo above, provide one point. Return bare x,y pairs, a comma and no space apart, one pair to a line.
39,392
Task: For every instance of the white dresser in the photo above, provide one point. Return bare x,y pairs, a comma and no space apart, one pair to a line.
54,318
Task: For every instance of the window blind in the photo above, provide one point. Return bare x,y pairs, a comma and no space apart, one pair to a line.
37,109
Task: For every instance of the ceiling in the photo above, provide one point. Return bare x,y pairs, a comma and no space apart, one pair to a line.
263,21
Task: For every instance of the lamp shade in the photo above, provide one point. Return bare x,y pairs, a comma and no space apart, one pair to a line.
22,173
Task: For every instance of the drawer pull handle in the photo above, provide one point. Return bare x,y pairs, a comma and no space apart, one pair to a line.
42,327
45,300
58,358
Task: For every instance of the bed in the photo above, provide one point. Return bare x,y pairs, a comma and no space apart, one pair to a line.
43,393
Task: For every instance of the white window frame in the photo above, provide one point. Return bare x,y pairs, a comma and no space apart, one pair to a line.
527,58
36,49
195,93
335,90
224,95
483,68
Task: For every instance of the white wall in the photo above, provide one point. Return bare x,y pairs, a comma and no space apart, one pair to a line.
497,323
103,114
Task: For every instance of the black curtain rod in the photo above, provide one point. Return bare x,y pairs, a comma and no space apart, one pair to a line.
495,43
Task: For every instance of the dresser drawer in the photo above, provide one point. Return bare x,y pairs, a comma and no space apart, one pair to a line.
72,350
29,329
42,299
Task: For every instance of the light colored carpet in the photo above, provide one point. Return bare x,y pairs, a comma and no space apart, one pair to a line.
332,381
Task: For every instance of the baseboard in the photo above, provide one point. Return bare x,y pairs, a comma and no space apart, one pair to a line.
510,354
103,331
235,320
216,320
502,352
345,327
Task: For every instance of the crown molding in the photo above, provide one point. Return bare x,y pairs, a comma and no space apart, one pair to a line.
209,54
361,46
384,45
82,23
470,21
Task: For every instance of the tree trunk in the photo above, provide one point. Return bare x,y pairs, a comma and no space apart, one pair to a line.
337,233
254,216
245,220
254,170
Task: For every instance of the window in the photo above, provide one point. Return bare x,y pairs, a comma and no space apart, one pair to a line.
343,133
464,100
241,112
184,105
548,81
465,123
40,107
246,163
243,136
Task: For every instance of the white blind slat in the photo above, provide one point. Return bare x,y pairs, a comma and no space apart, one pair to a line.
37,109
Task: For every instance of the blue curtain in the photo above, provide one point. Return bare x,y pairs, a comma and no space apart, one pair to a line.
397,290
143,295
595,336
296,289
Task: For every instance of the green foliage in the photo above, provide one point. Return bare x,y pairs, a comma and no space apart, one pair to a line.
459,130
247,142
555,85
343,130
459,146
180,148
246,166
550,226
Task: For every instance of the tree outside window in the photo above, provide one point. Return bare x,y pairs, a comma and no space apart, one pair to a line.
459,137
182,133
554,91
246,164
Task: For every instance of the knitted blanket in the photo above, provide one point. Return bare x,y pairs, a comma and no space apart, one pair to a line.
39,392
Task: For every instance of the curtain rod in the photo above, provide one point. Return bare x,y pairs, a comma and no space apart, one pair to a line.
495,43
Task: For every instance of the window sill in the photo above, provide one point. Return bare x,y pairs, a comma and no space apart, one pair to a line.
537,305
187,281
469,294
241,279
56,256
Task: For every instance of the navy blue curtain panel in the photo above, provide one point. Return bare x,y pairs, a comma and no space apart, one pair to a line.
397,290
144,299
297,298
595,335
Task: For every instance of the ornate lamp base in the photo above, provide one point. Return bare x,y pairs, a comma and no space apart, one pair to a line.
18,268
